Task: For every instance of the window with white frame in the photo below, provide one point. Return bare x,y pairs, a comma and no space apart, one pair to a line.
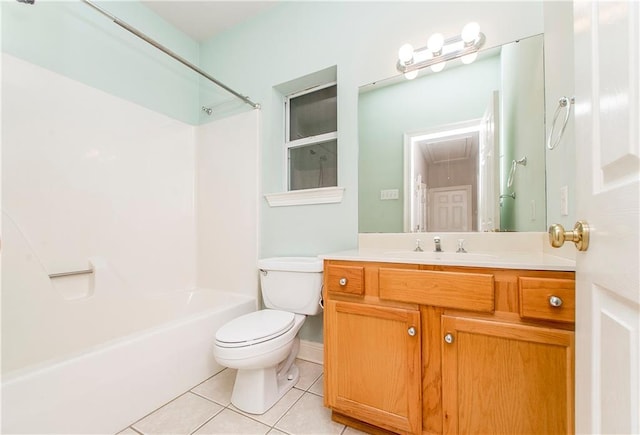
312,138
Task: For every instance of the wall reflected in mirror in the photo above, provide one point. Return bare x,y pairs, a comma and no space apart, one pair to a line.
436,151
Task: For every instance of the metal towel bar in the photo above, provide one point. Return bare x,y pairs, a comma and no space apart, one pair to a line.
73,272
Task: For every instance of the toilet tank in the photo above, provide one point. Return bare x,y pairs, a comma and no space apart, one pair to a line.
292,284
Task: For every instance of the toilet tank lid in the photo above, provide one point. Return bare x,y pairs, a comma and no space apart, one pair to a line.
291,264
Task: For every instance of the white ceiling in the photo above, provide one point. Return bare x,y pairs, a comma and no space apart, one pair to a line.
203,19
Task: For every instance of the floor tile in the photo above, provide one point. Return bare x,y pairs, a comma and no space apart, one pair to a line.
318,386
351,431
308,416
276,432
181,416
230,422
218,388
309,373
128,431
278,410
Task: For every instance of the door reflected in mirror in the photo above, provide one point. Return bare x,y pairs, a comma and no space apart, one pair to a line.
449,178
447,141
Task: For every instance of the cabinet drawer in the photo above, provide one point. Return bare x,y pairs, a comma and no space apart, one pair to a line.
465,291
547,299
345,279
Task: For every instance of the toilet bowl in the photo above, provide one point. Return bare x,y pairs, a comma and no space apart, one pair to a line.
263,345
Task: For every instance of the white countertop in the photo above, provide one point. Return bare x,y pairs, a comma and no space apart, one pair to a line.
492,259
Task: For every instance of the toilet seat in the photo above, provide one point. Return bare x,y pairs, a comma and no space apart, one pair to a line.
254,328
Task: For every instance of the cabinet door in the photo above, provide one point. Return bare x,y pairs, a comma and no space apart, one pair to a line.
506,378
373,364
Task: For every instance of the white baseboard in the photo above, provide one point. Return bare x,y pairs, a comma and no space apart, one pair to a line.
311,351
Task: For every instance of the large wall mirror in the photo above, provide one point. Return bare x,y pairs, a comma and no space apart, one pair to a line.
458,150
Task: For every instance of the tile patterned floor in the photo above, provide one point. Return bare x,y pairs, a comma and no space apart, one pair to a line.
207,409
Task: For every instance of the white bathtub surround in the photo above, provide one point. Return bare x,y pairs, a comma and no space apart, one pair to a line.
227,174
94,181
88,174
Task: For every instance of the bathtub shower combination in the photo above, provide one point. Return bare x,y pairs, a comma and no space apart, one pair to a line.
94,361
118,266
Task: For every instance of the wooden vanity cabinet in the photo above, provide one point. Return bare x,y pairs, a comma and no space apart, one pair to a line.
509,378
494,356
372,353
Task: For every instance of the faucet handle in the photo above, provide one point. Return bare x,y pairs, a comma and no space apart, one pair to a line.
418,247
461,246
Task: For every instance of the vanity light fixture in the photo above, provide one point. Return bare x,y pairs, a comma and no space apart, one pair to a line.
439,50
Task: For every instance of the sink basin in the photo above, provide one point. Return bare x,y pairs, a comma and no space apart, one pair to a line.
442,256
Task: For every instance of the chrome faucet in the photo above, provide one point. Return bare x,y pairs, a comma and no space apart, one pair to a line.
436,240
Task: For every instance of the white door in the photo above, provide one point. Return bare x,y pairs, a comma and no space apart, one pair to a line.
608,160
489,162
449,209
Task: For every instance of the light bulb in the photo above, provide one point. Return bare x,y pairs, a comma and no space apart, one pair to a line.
411,74
470,32
468,58
438,67
405,54
435,42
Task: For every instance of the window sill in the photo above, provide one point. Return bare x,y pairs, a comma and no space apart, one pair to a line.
323,195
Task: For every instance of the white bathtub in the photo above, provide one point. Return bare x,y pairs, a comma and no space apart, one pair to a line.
102,388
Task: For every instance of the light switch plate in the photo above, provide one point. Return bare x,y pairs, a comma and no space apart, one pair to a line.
388,194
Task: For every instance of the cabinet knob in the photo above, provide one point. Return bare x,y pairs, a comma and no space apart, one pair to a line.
555,301
448,338
411,331
343,281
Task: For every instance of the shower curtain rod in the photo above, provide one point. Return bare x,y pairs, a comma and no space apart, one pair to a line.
169,52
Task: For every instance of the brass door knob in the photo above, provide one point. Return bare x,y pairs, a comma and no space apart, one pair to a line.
580,235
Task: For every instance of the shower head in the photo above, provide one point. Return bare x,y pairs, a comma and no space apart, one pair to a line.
29,2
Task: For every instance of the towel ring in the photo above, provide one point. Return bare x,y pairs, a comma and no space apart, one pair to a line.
563,102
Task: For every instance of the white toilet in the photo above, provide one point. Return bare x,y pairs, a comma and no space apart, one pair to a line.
263,345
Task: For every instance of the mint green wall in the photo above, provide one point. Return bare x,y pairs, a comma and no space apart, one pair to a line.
386,114
72,39
295,39
361,38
